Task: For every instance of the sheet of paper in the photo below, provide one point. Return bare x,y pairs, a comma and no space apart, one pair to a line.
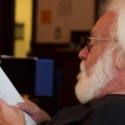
10,95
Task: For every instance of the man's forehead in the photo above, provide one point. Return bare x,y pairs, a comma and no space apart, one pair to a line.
108,17
103,25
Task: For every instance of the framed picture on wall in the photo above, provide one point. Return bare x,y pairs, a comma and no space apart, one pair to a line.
53,20
19,31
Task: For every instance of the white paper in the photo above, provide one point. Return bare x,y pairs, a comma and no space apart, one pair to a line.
10,95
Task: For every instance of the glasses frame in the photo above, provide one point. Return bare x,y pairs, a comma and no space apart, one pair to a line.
89,45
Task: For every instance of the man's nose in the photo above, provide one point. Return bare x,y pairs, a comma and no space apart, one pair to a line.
83,54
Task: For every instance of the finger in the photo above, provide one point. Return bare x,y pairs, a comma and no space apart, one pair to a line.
15,108
27,106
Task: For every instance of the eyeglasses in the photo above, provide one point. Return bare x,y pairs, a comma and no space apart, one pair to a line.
89,45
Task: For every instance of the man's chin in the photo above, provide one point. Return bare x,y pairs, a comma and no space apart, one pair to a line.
85,89
82,87
84,92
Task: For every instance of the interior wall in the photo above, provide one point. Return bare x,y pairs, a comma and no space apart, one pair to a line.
56,19
23,15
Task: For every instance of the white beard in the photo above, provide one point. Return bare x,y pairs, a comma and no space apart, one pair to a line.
88,87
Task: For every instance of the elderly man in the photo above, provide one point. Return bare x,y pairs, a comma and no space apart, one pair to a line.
101,81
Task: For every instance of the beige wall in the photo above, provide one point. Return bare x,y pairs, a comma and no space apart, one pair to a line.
23,14
65,15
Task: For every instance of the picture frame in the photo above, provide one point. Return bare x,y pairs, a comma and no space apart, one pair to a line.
52,25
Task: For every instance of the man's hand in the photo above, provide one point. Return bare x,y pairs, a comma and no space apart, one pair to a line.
10,115
35,112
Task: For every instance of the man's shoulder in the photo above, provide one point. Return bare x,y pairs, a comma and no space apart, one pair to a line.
106,108
113,100
109,110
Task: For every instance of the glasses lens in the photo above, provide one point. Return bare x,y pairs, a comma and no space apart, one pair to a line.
88,44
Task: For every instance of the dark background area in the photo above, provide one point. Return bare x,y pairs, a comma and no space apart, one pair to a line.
65,58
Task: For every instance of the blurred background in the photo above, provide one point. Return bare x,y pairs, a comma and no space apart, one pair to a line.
39,43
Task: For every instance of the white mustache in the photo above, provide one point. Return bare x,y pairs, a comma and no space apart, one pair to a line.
82,67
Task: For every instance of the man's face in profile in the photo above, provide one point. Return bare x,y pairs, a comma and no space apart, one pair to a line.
96,66
88,87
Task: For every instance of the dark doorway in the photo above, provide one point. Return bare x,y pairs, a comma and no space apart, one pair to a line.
7,26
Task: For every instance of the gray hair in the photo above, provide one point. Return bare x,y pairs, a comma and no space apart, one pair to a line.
117,33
